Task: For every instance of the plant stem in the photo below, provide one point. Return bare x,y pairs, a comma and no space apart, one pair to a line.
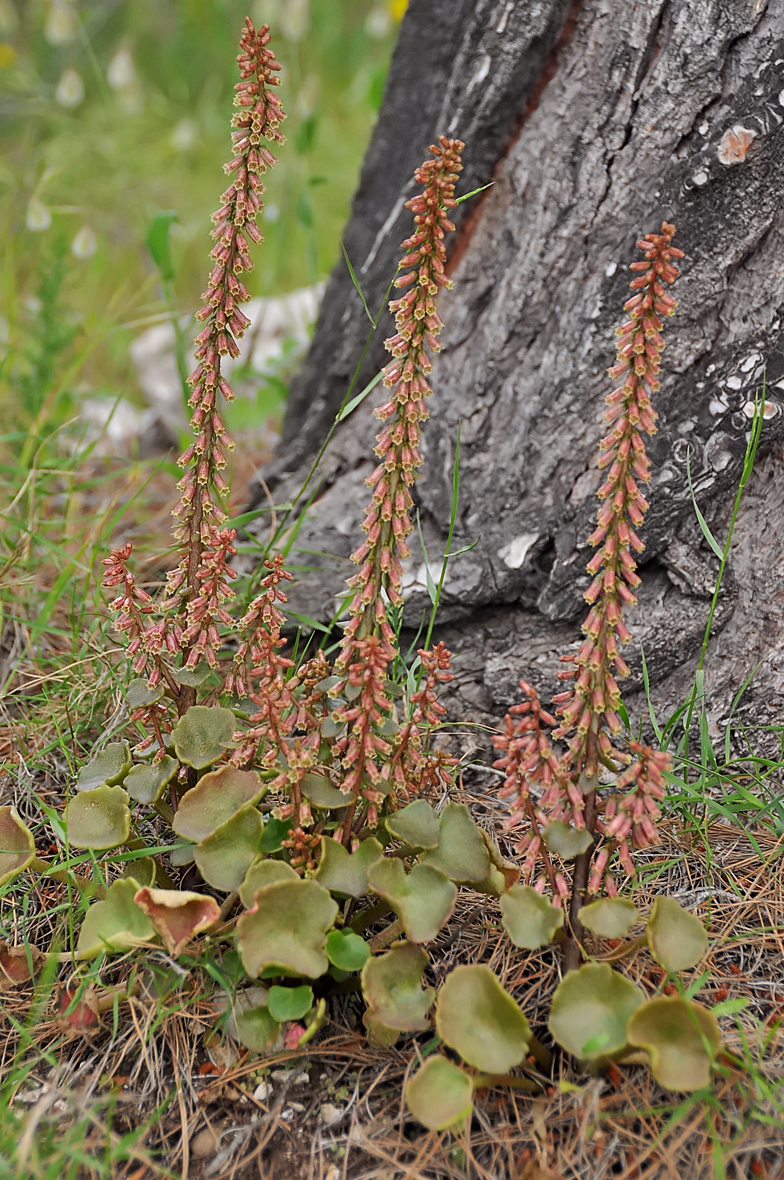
582,867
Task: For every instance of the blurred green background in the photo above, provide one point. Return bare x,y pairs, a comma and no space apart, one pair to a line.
114,110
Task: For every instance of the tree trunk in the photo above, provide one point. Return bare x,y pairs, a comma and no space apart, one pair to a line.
596,122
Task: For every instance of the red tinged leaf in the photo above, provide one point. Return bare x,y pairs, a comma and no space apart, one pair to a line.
82,1016
177,916
15,963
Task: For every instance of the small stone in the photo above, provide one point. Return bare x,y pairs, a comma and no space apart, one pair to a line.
330,1115
262,1091
204,1143
298,1107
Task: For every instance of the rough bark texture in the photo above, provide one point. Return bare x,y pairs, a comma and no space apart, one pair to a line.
596,122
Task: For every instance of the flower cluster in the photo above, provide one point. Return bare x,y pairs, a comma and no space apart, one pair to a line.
631,815
132,608
592,702
588,710
301,736
206,609
366,710
528,760
201,487
387,520
413,769
258,658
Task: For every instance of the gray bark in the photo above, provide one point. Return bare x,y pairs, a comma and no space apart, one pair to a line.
596,123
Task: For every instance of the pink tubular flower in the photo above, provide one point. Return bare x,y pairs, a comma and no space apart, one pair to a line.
206,609
258,660
527,757
362,747
132,607
413,768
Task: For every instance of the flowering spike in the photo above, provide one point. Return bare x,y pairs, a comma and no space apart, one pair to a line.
387,521
588,710
256,123
639,346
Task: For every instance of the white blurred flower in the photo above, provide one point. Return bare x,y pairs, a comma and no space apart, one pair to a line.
70,89
271,212
123,79
38,216
185,135
122,72
379,22
61,22
295,19
8,18
307,100
85,243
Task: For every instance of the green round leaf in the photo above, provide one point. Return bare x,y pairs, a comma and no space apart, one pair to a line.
287,928
529,919
139,694
191,677
251,1022
142,869
225,856
461,853
392,987
677,938
347,950
481,1021
257,1029
347,872
318,789
17,846
566,841
290,1003
261,873
109,765
424,900
440,1094
416,825
681,1039
182,855
215,799
98,818
609,917
330,728
275,832
590,1009
145,783
202,734
115,924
